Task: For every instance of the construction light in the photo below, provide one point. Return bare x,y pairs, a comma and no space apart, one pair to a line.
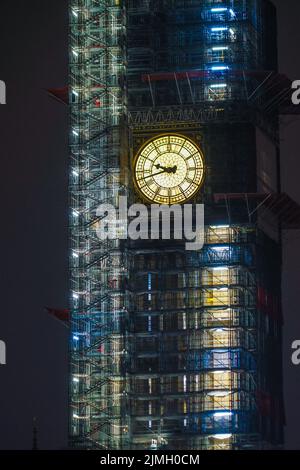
223,414
219,28
220,48
218,394
219,85
218,10
220,67
222,436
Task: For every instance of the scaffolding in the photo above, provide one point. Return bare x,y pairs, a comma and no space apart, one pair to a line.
168,346
197,367
191,63
98,269
193,367
201,55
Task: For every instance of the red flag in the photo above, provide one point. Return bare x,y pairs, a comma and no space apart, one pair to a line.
62,315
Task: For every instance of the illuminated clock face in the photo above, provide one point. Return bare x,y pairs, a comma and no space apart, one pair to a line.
169,170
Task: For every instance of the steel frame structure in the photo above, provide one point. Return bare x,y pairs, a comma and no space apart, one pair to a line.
166,346
194,364
99,306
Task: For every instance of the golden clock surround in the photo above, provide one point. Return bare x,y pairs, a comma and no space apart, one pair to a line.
197,182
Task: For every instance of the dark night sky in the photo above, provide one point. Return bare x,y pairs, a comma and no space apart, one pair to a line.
33,149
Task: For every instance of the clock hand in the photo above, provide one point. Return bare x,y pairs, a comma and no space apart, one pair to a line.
158,166
154,174
172,169
167,169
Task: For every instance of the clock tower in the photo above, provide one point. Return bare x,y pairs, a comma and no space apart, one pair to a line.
170,348
198,376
